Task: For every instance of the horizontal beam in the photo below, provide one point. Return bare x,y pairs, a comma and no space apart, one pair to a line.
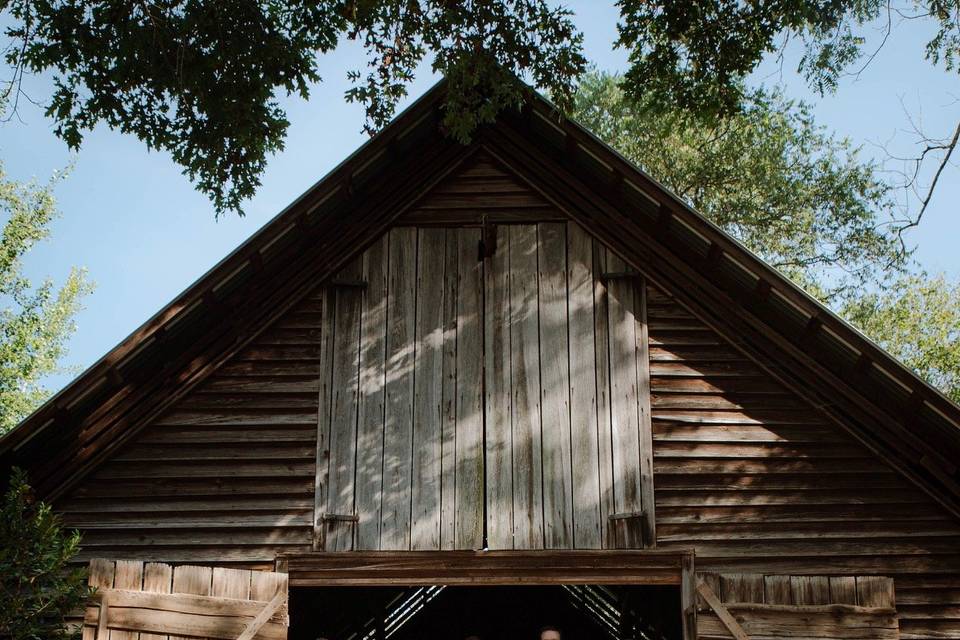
540,567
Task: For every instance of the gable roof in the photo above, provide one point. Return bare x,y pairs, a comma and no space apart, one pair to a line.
793,337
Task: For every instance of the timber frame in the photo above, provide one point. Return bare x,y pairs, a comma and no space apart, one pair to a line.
789,334
490,568
498,568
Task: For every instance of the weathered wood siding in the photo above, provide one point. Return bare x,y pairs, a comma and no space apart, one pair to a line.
427,373
482,190
401,423
756,481
225,477
566,419
442,371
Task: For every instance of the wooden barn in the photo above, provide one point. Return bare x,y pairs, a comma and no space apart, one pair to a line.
469,390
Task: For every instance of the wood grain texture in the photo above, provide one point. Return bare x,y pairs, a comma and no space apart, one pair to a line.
345,391
449,404
152,600
193,580
752,479
237,453
484,190
624,404
498,396
795,606
555,385
373,381
485,567
469,446
398,425
428,384
588,527
157,578
605,467
526,424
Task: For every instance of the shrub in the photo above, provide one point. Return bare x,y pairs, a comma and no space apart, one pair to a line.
38,587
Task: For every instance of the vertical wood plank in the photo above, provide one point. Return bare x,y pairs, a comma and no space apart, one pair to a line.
810,590
777,590
843,590
129,575
498,401
401,358
875,591
555,386
101,577
712,580
469,353
230,583
157,578
343,418
646,426
264,585
370,421
741,587
625,419
525,381
324,404
601,317
584,443
193,580
428,380
448,393
688,597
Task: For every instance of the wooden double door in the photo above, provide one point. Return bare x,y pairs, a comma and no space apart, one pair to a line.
484,388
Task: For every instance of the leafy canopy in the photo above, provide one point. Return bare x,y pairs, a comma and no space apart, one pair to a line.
38,587
35,321
918,321
696,54
800,198
200,78
768,174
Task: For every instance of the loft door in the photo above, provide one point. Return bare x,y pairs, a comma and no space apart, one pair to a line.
484,394
568,452
400,440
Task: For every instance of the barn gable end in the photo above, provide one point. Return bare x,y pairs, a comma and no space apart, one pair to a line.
514,344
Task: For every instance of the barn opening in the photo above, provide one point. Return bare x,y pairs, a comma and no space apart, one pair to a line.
579,611
629,594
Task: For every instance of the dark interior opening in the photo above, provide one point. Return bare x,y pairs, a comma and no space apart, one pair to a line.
581,612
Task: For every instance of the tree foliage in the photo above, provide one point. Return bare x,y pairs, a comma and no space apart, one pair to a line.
695,55
35,321
801,199
768,174
38,587
200,78
918,321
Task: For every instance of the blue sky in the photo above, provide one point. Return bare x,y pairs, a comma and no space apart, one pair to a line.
144,234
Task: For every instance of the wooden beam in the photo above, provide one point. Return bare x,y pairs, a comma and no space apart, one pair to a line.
725,616
264,616
688,598
358,568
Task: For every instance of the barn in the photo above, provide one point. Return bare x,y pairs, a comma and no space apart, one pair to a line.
473,389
